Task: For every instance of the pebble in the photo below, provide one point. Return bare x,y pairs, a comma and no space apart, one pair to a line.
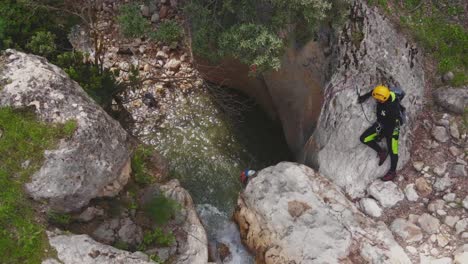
418,165
449,197
451,220
411,250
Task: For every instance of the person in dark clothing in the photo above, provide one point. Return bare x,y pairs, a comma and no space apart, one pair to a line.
387,125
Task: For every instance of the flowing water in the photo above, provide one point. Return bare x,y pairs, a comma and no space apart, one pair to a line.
208,139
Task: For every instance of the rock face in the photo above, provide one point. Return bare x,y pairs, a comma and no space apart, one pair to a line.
452,99
95,161
195,248
72,249
369,52
327,228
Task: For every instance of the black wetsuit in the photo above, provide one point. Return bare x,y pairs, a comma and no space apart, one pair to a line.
387,125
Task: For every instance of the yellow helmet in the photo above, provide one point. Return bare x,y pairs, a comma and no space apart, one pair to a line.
381,93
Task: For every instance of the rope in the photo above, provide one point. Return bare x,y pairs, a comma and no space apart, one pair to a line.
362,107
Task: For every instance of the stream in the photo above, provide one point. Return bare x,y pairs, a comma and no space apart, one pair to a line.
208,137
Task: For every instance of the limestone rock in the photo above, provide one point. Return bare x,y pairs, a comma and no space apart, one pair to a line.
440,134
94,161
461,226
423,187
436,205
268,229
442,184
451,220
461,255
459,170
296,208
161,55
72,249
195,248
452,99
370,207
439,170
465,202
387,193
418,165
130,233
411,193
454,132
334,147
90,213
173,64
406,230
429,223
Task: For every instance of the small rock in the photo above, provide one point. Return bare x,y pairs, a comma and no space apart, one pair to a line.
224,252
441,212
163,12
130,233
465,202
146,68
450,197
90,213
440,134
454,132
173,64
412,218
464,235
25,164
410,193
418,165
436,205
434,252
439,170
459,170
411,250
454,151
387,193
443,184
161,55
429,223
461,255
451,220
442,240
448,76
155,18
423,187
461,226
406,230
145,10
370,207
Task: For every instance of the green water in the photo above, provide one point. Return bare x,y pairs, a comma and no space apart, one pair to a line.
207,147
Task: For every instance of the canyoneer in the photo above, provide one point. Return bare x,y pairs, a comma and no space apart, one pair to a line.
390,114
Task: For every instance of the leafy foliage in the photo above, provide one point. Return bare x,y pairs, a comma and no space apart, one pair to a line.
139,167
161,209
158,236
132,23
59,219
100,84
22,239
435,26
168,31
42,43
255,31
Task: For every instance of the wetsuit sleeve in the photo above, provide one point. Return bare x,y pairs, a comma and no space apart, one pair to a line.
364,97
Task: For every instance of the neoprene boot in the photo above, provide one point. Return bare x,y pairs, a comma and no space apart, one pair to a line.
382,157
389,176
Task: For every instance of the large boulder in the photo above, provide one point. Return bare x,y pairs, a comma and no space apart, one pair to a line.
370,51
452,99
95,161
194,249
72,249
291,214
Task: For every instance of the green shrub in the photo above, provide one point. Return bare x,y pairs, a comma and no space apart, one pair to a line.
42,43
131,22
59,219
101,85
168,31
22,238
139,168
159,237
161,209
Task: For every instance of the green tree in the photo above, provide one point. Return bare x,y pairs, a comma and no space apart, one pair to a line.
132,23
42,43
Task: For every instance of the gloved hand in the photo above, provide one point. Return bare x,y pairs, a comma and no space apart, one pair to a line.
361,99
